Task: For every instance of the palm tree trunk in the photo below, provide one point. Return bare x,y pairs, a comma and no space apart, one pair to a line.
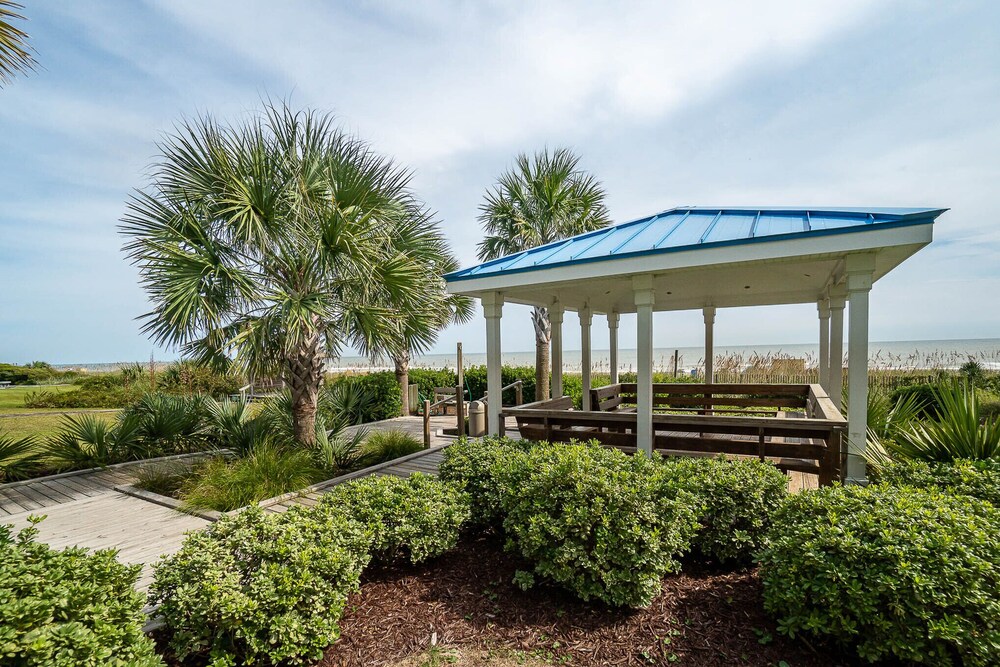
543,336
403,378
304,374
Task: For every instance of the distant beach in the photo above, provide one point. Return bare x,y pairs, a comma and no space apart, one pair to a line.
911,354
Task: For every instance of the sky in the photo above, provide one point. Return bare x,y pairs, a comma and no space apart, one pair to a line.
821,103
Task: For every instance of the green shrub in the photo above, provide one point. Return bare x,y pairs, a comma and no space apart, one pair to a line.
979,479
429,379
165,478
383,389
418,516
924,396
889,572
68,608
589,520
479,467
735,502
475,380
268,471
259,588
387,445
88,441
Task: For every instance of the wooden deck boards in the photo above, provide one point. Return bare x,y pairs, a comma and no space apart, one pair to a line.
141,531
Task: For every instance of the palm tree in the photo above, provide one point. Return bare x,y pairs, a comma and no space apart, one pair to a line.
276,243
15,54
541,200
416,333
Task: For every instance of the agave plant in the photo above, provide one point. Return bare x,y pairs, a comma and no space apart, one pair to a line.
19,457
958,432
87,441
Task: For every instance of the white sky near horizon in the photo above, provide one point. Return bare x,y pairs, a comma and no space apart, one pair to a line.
825,103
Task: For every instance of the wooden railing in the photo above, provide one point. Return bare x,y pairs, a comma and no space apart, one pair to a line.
795,426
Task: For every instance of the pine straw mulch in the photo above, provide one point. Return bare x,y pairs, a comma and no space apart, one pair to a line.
466,599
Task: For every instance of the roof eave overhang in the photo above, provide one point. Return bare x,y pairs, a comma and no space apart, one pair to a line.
872,239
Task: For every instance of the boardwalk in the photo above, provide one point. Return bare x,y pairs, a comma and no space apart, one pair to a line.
84,509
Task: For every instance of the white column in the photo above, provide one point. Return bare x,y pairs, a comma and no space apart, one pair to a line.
823,306
859,285
586,318
709,313
556,320
642,287
838,298
613,344
493,309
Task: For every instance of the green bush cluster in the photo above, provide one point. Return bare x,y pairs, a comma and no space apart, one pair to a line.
589,518
131,383
261,588
69,608
979,479
892,573
429,379
37,372
382,388
481,467
382,446
418,516
735,501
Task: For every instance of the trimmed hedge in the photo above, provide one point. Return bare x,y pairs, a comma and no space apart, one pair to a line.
736,500
889,572
419,516
589,519
264,588
979,479
69,608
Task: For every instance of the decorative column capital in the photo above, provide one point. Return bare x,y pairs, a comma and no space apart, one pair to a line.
586,316
823,306
709,314
613,319
642,289
859,281
492,305
556,313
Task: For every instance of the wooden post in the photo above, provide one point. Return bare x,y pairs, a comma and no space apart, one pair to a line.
519,393
427,424
676,352
460,392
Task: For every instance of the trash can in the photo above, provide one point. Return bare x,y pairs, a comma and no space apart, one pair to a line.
477,419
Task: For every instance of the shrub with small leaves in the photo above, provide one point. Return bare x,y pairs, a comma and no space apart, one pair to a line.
419,516
735,502
258,588
979,479
589,519
69,608
894,573
478,467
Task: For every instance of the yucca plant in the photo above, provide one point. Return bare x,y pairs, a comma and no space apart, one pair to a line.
19,457
958,432
887,417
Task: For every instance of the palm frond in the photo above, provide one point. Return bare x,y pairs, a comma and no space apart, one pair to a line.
15,54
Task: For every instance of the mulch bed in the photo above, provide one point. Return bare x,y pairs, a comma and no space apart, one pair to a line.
465,598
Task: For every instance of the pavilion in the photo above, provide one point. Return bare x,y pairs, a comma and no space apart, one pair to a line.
708,259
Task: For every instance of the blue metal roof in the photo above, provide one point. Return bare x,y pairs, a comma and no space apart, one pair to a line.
696,227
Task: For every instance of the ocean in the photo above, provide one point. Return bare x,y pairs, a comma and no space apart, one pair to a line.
911,354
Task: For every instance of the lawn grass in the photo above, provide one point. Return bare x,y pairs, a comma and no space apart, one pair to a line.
12,398
39,424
